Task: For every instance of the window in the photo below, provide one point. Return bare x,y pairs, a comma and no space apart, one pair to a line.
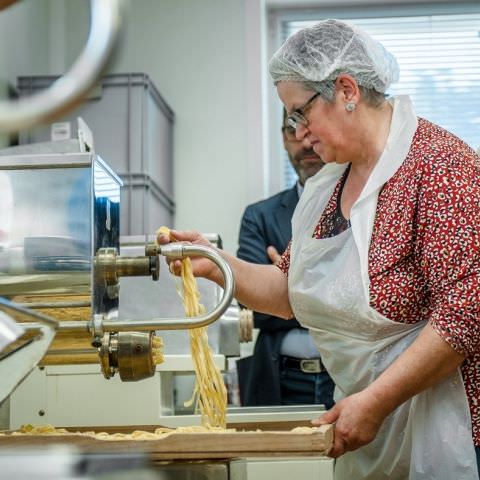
439,58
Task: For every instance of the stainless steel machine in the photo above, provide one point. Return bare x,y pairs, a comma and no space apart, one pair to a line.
60,265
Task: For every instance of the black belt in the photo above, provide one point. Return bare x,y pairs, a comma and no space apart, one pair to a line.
306,365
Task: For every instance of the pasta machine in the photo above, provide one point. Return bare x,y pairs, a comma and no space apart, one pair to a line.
60,269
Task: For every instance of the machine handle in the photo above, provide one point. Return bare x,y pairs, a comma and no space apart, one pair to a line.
178,250
68,90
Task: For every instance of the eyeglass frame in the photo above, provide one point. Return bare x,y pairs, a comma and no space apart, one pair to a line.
298,116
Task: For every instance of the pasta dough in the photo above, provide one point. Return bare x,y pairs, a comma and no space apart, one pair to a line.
210,393
157,350
157,434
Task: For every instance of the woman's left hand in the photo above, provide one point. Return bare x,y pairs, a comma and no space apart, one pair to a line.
357,419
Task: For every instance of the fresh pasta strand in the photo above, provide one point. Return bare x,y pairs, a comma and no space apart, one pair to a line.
210,393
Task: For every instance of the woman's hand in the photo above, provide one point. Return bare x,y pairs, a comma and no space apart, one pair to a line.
357,419
263,288
202,267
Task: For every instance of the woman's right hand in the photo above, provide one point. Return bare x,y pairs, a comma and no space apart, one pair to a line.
202,267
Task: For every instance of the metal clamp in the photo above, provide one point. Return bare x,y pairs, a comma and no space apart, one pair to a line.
97,330
129,353
109,266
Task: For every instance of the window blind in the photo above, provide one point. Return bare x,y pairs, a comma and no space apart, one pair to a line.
439,59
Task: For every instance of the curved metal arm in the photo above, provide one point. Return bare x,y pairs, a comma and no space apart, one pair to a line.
180,251
69,89
175,250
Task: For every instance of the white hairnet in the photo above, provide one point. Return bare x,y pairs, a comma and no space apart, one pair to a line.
331,47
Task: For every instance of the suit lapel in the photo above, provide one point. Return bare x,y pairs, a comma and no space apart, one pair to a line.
283,215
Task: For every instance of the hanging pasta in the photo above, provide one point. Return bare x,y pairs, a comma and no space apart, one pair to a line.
210,393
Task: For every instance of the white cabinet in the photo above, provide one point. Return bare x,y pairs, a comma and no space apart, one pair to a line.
263,468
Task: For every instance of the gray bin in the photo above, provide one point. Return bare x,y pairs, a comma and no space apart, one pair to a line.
133,131
143,206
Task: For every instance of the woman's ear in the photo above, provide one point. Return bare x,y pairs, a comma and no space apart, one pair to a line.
347,87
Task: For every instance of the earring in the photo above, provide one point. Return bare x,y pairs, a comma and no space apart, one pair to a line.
350,107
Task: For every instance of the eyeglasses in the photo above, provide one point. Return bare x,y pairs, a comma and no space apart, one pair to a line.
290,132
298,116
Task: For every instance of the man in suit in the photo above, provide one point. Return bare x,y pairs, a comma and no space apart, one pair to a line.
285,367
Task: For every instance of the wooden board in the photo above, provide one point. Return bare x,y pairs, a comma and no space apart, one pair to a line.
195,445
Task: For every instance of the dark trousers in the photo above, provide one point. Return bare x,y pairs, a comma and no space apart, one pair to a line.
303,388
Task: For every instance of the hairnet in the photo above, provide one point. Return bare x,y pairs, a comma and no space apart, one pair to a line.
329,48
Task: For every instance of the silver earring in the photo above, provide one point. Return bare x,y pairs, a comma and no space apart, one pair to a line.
350,107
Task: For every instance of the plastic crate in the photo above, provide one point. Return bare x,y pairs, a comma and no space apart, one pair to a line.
143,207
132,129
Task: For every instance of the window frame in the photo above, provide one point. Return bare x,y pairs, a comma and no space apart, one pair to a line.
277,17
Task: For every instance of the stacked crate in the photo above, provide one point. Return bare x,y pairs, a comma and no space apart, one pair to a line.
132,129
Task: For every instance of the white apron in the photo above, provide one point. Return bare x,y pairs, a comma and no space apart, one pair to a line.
427,437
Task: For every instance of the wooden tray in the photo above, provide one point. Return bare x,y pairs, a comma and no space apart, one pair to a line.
195,445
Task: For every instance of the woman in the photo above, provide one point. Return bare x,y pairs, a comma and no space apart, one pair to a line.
383,266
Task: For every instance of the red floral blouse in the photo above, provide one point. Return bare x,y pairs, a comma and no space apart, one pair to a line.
424,254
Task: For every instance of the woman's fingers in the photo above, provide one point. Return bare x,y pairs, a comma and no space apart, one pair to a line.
330,416
175,266
356,423
181,236
202,267
163,239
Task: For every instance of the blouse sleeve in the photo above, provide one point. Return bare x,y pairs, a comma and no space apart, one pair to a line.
448,245
284,262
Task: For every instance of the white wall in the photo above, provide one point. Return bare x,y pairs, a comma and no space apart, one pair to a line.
24,35
195,53
24,29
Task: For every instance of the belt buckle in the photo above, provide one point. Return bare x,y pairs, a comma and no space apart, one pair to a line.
310,365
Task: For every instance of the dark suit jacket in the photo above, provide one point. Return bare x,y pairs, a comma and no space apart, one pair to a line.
265,223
